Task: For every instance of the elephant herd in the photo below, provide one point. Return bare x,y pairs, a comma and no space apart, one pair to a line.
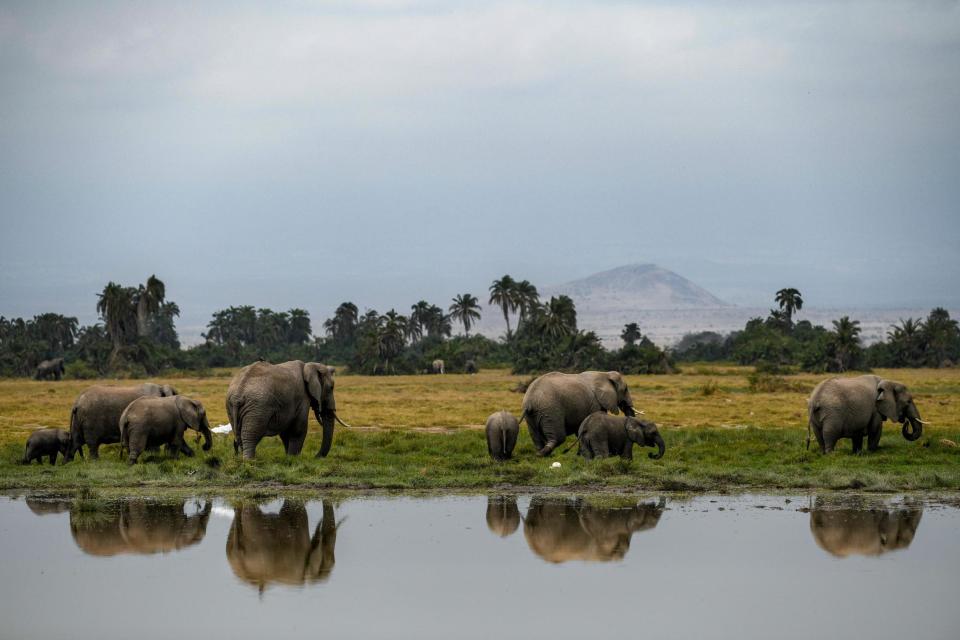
266,546
265,399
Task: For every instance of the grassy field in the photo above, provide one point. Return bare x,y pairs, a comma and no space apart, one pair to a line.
425,432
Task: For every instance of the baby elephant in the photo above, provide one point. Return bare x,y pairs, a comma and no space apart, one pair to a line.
602,435
46,442
502,432
150,422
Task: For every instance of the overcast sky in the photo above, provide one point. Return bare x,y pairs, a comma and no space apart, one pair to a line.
303,153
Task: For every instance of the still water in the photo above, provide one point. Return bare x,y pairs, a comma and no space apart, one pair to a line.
481,567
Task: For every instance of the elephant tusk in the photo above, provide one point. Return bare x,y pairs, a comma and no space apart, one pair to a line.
342,422
923,421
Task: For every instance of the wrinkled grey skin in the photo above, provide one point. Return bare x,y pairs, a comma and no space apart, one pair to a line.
603,435
437,366
46,442
147,423
502,432
470,367
95,418
561,531
503,516
50,369
856,407
275,400
866,532
555,404
267,548
139,527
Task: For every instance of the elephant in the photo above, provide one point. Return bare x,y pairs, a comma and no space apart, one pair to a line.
561,531
845,532
141,527
150,422
50,369
46,442
857,407
265,548
95,417
602,435
503,516
436,366
502,431
470,367
274,399
555,404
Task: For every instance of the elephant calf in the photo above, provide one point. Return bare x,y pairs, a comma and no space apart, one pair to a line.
150,422
502,432
602,435
46,442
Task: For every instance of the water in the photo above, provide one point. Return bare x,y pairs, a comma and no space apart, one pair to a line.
478,567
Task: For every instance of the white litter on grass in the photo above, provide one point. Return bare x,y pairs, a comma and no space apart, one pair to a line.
556,465
224,428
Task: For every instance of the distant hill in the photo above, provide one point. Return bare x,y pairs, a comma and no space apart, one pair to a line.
635,287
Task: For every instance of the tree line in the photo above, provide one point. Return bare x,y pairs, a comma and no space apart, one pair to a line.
137,336
777,342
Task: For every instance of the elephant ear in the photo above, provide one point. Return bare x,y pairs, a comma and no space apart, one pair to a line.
887,400
605,391
316,380
189,412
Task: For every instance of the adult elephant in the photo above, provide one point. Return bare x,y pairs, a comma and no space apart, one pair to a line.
857,407
437,366
95,417
50,369
265,548
843,532
555,404
561,531
140,527
275,399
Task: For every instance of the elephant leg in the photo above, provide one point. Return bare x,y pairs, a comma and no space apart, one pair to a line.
873,435
53,459
294,444
601,448
172,450
94,450
857,442
186,450
536,434
818,434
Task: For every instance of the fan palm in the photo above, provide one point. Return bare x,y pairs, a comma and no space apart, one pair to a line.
466,309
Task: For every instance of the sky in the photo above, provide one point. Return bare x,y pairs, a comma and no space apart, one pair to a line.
298,154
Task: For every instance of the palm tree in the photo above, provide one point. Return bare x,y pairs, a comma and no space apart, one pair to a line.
419,319
437,323
790,301
392,337
503,293
149,299
343,325
527,298
116,306
940,332
631,334
906,342
466,309
559,317
846,342
300,329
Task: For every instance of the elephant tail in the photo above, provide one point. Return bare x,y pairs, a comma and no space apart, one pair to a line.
523,416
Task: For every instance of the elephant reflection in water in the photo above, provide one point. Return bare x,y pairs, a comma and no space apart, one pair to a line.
844,532
45,507
561,531
138,527
265,548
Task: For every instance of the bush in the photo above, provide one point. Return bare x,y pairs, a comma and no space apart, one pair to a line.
80,370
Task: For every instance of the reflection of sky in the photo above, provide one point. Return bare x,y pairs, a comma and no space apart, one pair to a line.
429,568
289,154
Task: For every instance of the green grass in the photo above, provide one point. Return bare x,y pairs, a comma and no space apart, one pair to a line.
423,432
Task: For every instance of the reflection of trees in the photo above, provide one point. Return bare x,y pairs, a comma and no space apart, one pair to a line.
137,527
866,531
560,531
265,548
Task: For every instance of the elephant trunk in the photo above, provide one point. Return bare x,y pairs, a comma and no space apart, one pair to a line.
913,425
326,419
661,447
207,436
